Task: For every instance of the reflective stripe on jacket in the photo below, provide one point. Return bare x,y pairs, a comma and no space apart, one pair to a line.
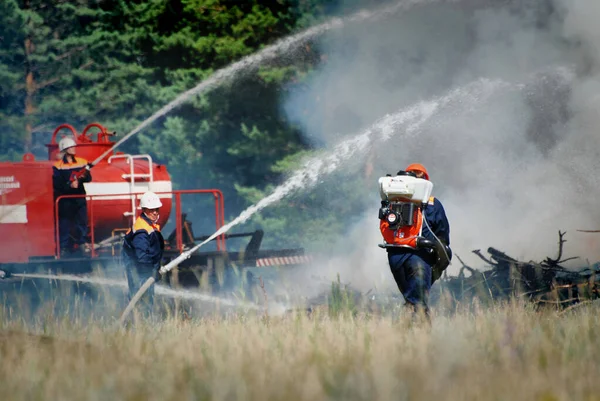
143,244
62,173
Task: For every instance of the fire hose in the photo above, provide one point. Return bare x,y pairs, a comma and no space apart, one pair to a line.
163,270
89,166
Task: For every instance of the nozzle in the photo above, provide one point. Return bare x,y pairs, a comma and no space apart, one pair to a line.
425,243
4,274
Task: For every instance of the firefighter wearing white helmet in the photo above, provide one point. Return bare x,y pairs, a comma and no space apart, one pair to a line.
143,247
69,173
66,143
150,201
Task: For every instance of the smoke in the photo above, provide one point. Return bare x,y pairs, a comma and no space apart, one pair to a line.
511,171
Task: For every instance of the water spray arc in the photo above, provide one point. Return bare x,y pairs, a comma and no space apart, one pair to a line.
281,48
409,121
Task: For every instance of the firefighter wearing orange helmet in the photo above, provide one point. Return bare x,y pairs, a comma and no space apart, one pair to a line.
419,170
420,252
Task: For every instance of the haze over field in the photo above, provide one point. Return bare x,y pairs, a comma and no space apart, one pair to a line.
512,170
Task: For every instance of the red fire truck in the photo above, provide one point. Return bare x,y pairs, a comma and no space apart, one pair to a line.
29,213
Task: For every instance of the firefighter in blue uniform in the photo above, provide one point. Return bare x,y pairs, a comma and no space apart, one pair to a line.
69,173
143,247
415,270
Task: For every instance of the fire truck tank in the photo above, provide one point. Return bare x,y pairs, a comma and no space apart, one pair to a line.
27,211
110,198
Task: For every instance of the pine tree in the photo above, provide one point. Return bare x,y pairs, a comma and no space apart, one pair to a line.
13,34
117,62
45,47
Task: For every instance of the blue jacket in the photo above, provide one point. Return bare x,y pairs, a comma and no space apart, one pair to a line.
62,173
143,245
437,220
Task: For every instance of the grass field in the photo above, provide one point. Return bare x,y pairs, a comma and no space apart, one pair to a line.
509,352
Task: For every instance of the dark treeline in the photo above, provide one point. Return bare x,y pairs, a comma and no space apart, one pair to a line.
117,62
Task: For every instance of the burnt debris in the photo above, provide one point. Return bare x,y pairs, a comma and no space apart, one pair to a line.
545,282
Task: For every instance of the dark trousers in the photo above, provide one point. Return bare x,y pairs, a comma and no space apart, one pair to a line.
136,277
413,276
72,222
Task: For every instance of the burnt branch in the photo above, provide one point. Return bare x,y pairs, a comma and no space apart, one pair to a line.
464,267
501,256
561,241
478,253
545,282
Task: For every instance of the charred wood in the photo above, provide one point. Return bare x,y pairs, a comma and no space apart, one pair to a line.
546,282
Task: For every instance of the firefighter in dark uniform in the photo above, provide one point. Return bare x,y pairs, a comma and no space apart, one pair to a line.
415,270
143,247
68,175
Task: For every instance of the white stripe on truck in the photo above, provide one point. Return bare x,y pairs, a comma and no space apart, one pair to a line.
13,214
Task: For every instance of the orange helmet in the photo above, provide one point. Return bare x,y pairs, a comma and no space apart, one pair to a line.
418,167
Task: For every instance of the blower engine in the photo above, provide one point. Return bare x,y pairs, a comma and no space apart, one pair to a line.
402,200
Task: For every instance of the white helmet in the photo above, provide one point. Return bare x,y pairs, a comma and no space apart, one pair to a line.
66,143
150,201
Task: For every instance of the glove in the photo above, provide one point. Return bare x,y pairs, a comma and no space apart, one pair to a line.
157,275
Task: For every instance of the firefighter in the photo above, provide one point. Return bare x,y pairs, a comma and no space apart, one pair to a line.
68,175
415,270
143,247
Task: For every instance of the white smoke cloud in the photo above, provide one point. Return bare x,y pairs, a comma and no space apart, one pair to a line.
511,171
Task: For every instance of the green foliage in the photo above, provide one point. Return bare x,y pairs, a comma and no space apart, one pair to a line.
314,218
118,62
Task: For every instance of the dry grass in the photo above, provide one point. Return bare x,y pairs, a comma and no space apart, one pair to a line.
504,353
